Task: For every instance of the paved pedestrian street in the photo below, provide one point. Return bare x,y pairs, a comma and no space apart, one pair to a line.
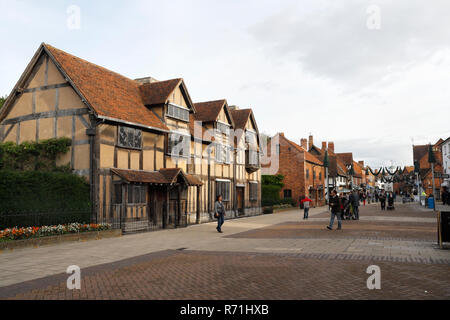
275,256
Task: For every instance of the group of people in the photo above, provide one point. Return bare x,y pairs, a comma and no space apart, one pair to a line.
344,206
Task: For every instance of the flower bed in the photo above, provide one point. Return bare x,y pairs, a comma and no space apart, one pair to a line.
45,231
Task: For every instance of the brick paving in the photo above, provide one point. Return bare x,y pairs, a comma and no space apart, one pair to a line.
274,256
222,275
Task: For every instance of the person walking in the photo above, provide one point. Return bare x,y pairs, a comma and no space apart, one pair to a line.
354,199
383,200
364,198
306,203
219,213
347,208
335,211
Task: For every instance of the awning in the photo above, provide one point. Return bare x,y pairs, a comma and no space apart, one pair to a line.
166,176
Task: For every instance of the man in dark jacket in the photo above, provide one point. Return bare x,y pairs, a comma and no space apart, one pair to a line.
355,204
335,205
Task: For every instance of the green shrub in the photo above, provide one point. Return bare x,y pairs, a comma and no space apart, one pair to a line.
32,155
39,198
270,194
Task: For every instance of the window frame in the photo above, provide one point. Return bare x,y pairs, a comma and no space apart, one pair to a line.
129,130
179,108
253,194
219,190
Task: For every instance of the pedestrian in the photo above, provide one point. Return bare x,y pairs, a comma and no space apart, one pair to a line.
383,200
347,207
306,202
219,213
376,196
335,211
354,199
364,198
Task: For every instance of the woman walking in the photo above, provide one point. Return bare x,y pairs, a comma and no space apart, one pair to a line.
219,212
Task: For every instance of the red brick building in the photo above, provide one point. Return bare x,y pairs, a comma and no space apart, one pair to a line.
420,154
304,174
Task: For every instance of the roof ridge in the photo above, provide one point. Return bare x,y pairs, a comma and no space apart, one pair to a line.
91,63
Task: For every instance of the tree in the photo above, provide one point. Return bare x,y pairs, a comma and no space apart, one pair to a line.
2,101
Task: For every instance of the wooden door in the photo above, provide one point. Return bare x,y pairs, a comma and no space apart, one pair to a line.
240,199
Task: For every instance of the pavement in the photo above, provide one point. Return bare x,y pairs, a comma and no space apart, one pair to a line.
274,256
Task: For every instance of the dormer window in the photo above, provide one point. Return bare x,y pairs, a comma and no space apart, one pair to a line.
178,112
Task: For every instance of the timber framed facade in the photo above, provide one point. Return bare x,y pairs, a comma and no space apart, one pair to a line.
137,143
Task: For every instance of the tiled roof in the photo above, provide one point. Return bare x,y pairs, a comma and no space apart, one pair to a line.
346,158
419,151
163,176
358,170
240,117
170,174
110,94
141,176
158,92
209,110
308,156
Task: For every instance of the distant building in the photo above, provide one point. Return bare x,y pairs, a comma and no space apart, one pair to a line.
304,174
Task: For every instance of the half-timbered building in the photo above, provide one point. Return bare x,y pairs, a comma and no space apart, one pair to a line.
133,140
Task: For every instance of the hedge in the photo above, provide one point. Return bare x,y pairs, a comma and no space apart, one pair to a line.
34,198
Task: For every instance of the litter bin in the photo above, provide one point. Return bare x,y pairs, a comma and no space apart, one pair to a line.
431,203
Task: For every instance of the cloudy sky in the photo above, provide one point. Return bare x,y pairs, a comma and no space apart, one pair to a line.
372,76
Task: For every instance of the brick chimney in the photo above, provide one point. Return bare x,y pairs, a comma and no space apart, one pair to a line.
324,145
304,143
331,146
310,141
361,163
282,134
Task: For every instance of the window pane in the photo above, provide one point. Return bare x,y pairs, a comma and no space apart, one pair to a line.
137,138
122,136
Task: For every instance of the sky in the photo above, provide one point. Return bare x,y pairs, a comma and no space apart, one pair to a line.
371,76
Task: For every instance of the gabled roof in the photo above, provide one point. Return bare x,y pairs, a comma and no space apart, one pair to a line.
158,92
209,110
110,94
240,117
345,157
308,156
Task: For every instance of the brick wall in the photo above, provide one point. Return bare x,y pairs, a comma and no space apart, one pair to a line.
292,168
